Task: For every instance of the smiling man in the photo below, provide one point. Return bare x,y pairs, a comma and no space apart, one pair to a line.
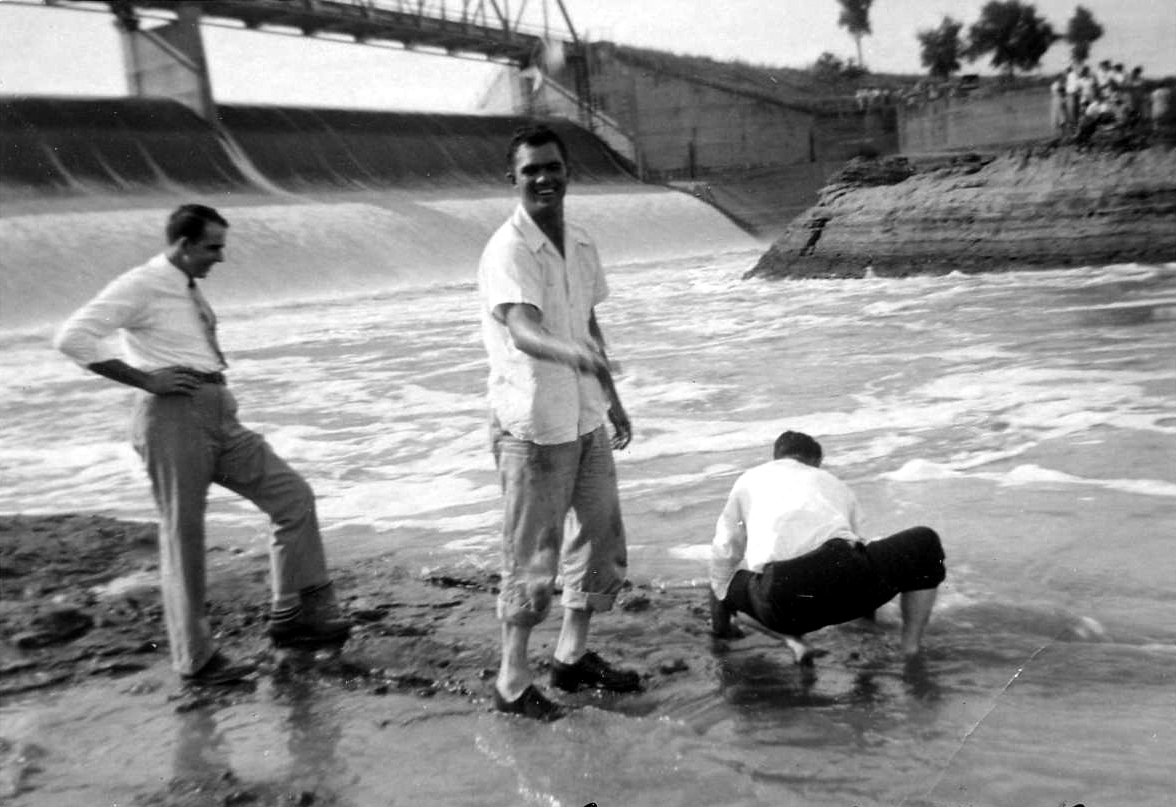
550,390
185,427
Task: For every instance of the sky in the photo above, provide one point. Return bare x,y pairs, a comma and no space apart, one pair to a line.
52,51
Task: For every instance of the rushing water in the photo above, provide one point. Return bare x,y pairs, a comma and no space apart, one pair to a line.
1026,416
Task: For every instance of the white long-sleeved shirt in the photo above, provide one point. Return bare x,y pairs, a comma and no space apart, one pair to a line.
154,309
777,511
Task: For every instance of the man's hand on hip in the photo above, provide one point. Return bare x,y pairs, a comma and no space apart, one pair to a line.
172,381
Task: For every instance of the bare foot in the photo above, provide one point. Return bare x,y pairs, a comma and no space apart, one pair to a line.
802,653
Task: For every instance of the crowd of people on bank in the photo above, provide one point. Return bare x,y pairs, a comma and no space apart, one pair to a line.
1083,99
873,97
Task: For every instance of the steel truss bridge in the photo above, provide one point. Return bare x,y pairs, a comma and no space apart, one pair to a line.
487,29
164,56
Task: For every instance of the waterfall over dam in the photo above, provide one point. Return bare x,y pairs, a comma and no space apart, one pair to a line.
320,202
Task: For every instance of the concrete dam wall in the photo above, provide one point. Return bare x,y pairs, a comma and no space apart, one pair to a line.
60,146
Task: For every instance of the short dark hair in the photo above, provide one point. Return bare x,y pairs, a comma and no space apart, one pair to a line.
190,221
798,446
533,135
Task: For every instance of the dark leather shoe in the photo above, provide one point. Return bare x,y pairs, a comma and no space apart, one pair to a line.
594,672
296,632
532,703
219,670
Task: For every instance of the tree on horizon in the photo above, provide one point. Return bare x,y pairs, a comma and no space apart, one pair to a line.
941,48
855,18
1013,33
829,69
1081,33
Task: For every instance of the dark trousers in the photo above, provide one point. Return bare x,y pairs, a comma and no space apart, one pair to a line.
837,582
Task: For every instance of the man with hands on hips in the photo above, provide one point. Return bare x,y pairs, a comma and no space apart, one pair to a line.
185,428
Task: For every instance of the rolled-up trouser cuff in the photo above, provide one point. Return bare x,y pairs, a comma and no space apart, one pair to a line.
587,601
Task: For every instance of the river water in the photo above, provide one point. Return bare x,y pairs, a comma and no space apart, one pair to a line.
1028,417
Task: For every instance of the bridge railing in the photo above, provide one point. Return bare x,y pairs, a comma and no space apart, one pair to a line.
473,12
530,19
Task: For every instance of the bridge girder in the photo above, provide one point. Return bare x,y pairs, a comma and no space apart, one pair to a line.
410,24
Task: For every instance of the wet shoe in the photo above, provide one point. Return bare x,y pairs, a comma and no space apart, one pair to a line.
592,671
219,670
532,703
296,632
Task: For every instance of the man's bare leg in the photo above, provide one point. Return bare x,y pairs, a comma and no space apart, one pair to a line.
573,635
916,611
513,673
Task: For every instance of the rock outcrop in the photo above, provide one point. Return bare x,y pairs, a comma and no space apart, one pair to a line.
1043,207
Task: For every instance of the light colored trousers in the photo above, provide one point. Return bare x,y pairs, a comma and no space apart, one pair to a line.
541,484
188,443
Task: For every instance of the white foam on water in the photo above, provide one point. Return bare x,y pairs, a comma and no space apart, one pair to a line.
920,471
385,502
1036,475
692,552
972,354
1159,302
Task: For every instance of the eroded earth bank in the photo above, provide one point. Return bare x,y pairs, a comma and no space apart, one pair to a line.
1036,207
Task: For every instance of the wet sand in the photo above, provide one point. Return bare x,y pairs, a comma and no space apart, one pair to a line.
80,604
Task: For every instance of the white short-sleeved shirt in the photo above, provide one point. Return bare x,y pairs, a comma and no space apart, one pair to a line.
534,399
154,309
776,511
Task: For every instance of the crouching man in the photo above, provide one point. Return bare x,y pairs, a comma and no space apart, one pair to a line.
787,554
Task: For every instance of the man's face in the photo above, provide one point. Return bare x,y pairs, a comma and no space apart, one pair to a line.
199,256
541,177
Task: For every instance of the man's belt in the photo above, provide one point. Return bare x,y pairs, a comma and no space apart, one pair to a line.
211,378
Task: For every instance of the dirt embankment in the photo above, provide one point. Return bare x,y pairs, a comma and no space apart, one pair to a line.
1040,207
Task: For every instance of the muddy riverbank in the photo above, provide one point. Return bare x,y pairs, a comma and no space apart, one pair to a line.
79,605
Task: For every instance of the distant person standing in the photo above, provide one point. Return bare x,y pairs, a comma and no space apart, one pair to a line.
1102,77
1163,114
550,390
1087,90
1118,77
185,428
1135,94
1070,92
1057,103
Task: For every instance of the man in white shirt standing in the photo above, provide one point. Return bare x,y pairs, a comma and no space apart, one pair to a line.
185,427
787,553
550,391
